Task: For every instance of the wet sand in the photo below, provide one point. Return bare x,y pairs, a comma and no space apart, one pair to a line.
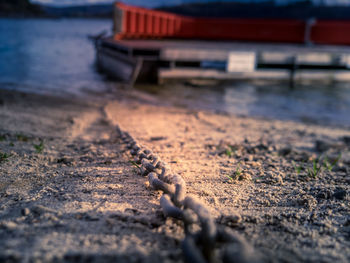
69,193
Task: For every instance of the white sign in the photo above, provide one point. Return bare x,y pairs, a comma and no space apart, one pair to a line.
241,62
345,59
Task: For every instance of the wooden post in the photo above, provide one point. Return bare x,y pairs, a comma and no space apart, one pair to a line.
308,29
293,68
118,19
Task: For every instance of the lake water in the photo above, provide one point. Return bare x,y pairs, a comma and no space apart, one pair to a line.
56,57
48,55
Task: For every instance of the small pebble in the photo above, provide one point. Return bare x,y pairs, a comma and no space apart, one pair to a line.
324,194
66,160
158,138
9,225
39,210
346,139
340,194
248,158
25,211
285,151
322,146
230,220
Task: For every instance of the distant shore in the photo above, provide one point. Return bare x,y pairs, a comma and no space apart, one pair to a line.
302,10
26,16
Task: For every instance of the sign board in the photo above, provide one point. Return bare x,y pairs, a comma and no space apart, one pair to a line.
345,60
241,61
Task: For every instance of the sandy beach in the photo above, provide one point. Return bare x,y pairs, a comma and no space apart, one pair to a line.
70,193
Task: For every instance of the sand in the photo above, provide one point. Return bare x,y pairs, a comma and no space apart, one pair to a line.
69,193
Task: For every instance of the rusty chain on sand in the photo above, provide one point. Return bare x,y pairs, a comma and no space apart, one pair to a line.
199,246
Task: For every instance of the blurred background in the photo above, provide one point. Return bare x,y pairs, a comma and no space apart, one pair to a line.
338,9
44,47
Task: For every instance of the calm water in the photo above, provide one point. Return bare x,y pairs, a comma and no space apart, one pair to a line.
52,56
323,104
55,56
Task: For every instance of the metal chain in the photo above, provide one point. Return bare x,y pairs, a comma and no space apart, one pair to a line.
197,247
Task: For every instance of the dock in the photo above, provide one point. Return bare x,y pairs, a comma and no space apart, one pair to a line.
152,46
159,60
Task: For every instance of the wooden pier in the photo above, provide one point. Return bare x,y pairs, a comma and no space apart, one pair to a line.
151,46
158,60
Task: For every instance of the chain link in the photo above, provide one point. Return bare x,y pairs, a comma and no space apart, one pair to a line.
197,247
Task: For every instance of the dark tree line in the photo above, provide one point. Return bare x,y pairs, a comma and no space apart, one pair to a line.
10,7
298,10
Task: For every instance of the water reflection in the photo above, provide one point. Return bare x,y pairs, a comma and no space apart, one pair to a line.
318,103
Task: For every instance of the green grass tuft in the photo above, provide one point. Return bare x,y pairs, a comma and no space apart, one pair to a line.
39,147
134,164
236,174
298,168
4,157
317,166
22,138
315,169
330,165
230,151
238,170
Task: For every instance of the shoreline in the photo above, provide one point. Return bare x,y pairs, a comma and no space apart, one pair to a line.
83,198
144,97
